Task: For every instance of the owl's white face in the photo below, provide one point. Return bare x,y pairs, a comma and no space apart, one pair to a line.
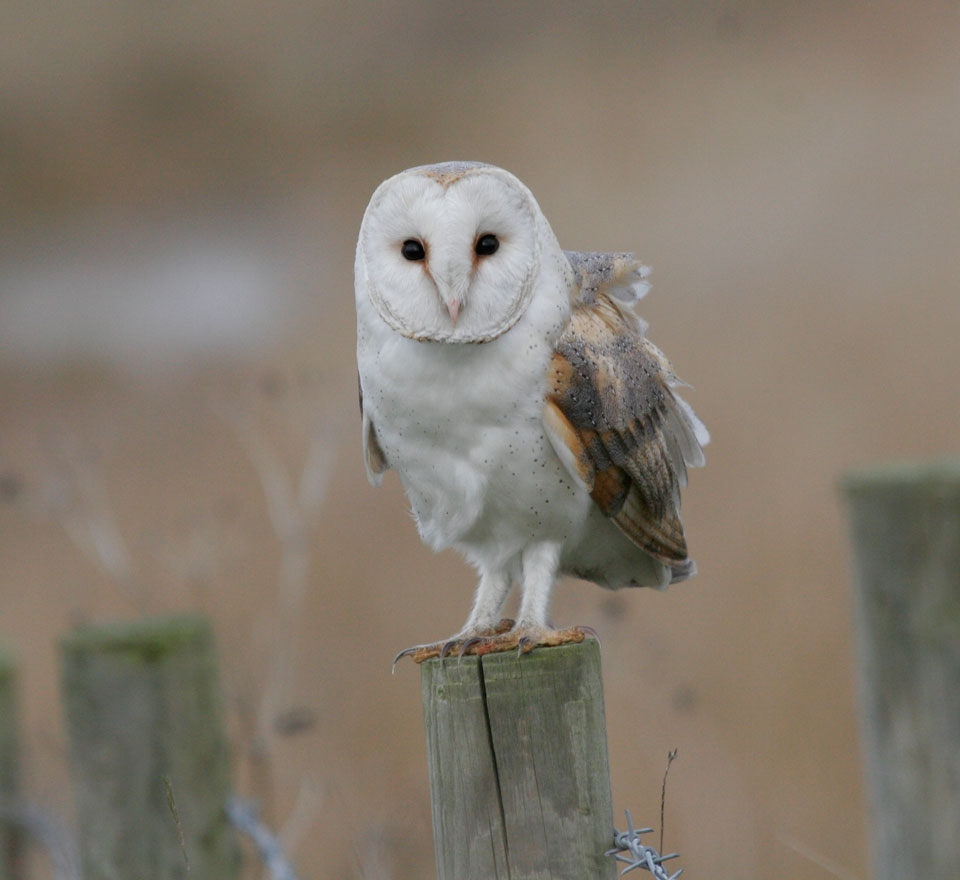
449,253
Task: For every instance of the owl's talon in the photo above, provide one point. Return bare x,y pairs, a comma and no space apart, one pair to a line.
419,653
525,645
467,645
406,652
588,631
448,646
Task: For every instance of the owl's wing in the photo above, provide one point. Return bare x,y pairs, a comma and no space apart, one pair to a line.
373,458
621,276
621,432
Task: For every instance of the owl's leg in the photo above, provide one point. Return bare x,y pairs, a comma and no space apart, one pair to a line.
540,564
485,615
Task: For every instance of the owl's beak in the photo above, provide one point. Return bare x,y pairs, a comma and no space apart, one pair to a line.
452,296
452,281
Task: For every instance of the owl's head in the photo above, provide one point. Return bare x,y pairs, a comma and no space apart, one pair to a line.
450,252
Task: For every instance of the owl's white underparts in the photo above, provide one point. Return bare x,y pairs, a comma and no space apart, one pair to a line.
557,447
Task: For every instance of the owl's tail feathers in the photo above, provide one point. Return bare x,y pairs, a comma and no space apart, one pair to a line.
683,572
665,576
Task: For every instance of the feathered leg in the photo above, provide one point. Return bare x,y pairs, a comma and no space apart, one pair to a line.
485,615
540,563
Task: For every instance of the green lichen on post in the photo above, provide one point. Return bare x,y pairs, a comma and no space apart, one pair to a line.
912,476
143,710
9,778
148,639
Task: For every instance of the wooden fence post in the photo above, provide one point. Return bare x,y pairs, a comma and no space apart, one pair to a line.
10,839
147,750
519,776
906,543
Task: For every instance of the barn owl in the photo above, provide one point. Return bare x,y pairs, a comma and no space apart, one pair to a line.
511,386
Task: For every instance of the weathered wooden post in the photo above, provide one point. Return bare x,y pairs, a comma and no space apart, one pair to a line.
906,542
519,776
10,840
148,751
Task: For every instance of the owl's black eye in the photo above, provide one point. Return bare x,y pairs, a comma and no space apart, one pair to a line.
413,250
486,245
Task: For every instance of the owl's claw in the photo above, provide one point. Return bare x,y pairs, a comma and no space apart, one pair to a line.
467,645
589,631
525,645
404,653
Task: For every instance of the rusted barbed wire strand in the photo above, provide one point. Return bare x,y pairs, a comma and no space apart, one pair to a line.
671,755
640,855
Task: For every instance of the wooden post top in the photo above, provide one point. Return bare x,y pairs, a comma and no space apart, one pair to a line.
934,475
148,639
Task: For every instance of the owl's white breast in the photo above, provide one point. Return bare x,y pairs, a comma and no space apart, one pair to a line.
462,426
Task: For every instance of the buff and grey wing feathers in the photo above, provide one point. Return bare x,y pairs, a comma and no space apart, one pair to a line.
613,417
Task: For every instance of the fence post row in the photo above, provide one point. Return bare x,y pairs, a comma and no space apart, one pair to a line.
147,750
906,546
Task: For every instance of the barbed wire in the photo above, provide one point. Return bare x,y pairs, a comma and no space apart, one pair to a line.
641,855
52,835
246,819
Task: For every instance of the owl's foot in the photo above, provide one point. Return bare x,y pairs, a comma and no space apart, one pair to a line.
454,644
525,639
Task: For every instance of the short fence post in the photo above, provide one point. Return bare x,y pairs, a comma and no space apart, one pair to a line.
10,838
147,750
906,542
519,775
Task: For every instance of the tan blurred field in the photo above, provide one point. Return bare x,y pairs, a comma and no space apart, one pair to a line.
792,173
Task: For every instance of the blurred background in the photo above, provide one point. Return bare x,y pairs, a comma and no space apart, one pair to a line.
180,190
